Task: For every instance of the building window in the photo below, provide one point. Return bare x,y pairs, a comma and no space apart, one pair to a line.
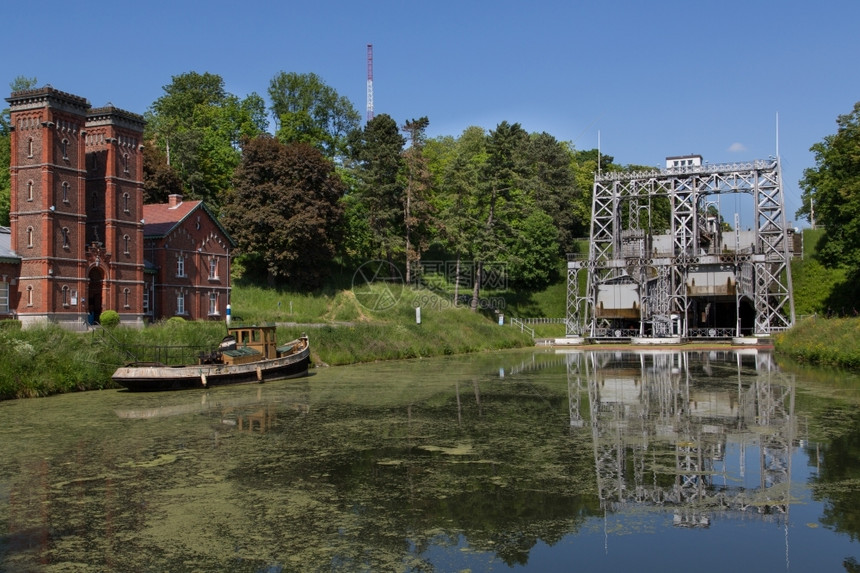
180,303
65,191
29,296
65,296
126,241
125,202
145,299
213,268
65,147
180,266
30,147
74,300
125,294
125,163
4,297
65,232
29,190
213,303
30,237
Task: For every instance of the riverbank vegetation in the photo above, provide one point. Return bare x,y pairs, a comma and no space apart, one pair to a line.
374,322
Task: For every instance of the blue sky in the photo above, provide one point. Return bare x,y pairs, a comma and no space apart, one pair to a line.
648,79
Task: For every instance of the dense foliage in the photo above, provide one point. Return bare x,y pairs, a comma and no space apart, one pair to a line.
286,208
490,208
832,189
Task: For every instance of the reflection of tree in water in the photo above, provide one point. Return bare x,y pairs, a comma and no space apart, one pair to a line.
839,465
476,462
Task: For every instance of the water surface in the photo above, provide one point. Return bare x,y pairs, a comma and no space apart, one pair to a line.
523,460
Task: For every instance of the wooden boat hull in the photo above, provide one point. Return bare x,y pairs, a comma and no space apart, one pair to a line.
152,378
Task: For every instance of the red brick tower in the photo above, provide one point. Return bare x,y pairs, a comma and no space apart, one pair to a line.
47,198
76,204
114,205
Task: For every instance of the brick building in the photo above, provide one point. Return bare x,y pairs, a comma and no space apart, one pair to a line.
187,253
77,219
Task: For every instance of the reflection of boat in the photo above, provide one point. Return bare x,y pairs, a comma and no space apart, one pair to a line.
247,354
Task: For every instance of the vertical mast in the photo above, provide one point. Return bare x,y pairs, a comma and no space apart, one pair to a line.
369,82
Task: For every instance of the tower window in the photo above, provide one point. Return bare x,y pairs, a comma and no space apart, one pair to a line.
125,162
30,237
65,191
65,296
65,148
65,232
30,147
30,295
29,190
125,293
126,240
125,202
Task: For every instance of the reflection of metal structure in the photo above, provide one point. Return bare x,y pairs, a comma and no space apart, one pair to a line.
693,280
665,434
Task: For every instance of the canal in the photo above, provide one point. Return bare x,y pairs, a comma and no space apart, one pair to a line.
529,460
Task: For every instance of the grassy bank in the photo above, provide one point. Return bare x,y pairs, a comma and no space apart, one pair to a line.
823,341
345,327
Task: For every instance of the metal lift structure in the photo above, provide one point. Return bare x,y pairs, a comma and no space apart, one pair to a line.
695,279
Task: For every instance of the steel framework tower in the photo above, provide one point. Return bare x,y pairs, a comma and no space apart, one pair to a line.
369,82
644,283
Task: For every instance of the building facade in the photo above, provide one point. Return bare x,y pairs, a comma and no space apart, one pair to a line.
77,219
187,253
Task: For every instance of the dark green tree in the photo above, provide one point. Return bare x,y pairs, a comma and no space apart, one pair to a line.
309,111
552,185
160,180
498,200
377,152
285,209
832,189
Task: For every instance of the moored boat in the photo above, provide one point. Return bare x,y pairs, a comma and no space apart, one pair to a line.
248,354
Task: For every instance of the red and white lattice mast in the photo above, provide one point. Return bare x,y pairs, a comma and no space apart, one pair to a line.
369,82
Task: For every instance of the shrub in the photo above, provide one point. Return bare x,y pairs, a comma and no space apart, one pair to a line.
109,318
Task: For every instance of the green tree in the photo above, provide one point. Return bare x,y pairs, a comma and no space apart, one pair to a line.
498,200
457,165
416,201
551,183
285,208
833,185
200,127
377,153
307,110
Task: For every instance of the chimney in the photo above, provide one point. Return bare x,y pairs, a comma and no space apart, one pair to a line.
174,200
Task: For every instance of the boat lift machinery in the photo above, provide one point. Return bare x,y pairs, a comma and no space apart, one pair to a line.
696,279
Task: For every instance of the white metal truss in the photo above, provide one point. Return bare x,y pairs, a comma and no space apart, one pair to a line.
621,251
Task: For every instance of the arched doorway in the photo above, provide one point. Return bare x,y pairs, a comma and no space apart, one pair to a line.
94,294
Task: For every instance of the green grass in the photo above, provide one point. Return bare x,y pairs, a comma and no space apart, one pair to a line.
823,341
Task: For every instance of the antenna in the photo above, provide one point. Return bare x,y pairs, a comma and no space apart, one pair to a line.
598,153
369,82
777,135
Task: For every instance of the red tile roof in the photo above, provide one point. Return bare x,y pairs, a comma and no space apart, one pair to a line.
159,219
